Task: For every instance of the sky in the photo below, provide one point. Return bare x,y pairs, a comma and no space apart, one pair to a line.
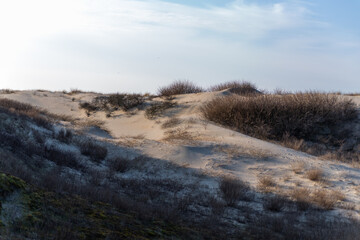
141,45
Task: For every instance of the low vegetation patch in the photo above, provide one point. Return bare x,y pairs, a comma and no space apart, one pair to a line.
234,190
113,102
172,122
301,196
315,174
6,91
237,87
266,183
179,87
312,122
120,164
275,203
158,108
94,150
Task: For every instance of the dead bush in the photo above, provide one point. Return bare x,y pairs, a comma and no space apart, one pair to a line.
326,199
315,174
94,150
179,87
237,87
302,115
266,183
234,190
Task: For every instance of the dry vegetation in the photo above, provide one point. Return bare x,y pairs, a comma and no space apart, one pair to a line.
113,102
315,175
313,122
171,122
156,109
266,183
234,190
179,87
237,87
94,184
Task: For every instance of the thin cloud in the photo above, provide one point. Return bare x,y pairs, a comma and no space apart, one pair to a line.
139,45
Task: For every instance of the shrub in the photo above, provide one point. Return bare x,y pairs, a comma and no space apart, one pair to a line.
114,102
61,157
126,101
179,87
237,87
7,91
266,182
233,190
74,91
120,164
95,151
274,203
158,108
301,115
89,107
315,174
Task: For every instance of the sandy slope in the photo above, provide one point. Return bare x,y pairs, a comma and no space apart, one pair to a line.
215,150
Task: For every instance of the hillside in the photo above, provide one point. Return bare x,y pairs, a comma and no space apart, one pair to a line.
156,168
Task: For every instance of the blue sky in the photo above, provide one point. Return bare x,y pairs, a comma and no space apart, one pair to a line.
139,45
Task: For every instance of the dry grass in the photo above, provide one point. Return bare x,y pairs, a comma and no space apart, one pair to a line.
178,134
179,87
326,199
172,122
266,183
315,175
322,198
298,167
301,196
